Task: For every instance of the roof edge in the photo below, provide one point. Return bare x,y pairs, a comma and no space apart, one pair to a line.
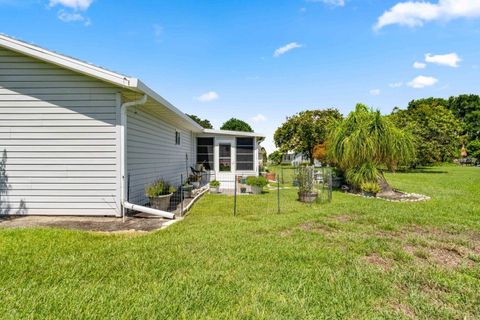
234,133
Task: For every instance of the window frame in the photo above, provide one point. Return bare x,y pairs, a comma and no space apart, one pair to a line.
210,156
178,140
220,157
237,154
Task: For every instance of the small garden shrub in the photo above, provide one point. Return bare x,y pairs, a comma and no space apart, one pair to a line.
257,181
159,188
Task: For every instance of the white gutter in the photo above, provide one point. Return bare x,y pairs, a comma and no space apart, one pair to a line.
123,164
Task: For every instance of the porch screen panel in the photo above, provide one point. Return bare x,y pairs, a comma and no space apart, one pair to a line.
245,154
205,152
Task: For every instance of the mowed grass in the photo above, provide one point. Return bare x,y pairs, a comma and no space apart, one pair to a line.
355,258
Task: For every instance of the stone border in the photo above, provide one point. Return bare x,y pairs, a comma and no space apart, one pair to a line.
419,197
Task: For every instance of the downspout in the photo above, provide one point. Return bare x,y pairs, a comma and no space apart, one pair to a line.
123,164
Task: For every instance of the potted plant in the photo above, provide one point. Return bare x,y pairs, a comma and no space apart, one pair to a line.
257,184
370,189
214,186
187,190
159,193
195,181
270,175
305,178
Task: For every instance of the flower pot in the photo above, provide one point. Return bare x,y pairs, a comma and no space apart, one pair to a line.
307,197
337,182
243,190
270,176
257,190
187,191
161,202
214,190
369,194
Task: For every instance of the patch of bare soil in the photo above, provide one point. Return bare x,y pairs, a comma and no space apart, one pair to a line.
286,233
383,263
342,218
97,224
449,258
316,227
404,309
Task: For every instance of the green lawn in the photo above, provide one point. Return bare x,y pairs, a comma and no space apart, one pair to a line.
354,258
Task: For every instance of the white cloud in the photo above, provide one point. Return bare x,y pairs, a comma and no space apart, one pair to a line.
395,84
451,59
73,4
419,65
286,48
422,82
208,97
416,13
259,118
339,3
73,17
375,92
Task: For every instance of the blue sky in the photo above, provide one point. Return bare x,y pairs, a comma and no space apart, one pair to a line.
261,61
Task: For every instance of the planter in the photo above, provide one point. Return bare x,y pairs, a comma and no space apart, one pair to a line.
243,190
307,197
187,191
214,190
161,202
369,194
337,182
270,176
257,190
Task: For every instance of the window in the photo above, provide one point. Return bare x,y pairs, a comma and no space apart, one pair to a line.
225,157
205,152
177,138
245,154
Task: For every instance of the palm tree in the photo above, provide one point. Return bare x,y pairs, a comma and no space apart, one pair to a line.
364,143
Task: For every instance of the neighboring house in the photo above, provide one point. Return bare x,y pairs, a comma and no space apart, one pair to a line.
294,159
71,133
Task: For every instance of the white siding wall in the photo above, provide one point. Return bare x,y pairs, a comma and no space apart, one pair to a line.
152,153
58,140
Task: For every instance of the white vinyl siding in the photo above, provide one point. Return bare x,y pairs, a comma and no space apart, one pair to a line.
152,152
58,140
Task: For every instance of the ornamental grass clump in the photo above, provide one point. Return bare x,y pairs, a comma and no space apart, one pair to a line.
159,188
366,142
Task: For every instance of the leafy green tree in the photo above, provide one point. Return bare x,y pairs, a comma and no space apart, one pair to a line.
466,108
276,157
235,124
473,149
364,143
435,130
204,123
305,130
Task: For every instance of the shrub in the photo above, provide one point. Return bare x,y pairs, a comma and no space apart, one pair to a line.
215,184
371,187
305,179
473,148
257,181
159,188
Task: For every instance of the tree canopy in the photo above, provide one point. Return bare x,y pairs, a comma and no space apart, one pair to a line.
466,108
303,131
365,142
276,157
435,129
204,123
235,124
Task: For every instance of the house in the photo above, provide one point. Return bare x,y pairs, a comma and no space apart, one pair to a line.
77,139
294,159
